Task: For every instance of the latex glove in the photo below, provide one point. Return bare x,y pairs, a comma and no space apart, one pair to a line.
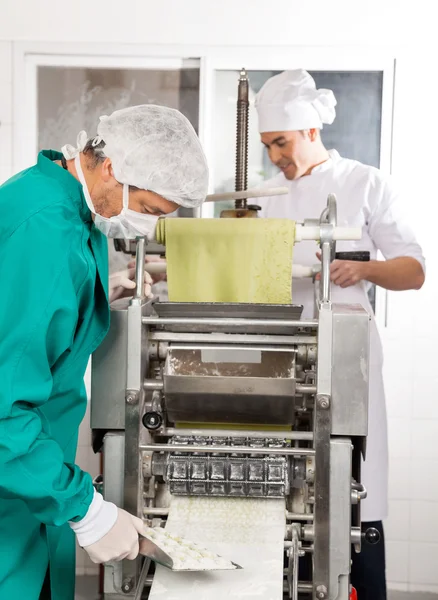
156,277
122,284
108,533
120,542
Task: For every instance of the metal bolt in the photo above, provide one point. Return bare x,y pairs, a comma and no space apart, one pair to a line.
127,586
324,402
131,398
321,592
355,498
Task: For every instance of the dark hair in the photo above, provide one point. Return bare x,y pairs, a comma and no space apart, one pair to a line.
94,153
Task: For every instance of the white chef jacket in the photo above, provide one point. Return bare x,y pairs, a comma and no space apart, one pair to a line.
365,199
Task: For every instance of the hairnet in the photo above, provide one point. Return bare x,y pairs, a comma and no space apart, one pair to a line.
291,102
156,148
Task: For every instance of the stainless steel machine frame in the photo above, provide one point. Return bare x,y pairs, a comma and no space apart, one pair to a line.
134,390
312,377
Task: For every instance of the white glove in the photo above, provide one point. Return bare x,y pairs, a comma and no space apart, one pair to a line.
156,276
120,542
122,283
108,533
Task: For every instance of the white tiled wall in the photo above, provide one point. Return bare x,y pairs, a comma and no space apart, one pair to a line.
411,371
411,381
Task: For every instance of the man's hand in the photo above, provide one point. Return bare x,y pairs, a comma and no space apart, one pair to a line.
346,273
396,274
122,284
156,277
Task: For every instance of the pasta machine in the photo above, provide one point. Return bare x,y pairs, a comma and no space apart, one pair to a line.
300,388
167,369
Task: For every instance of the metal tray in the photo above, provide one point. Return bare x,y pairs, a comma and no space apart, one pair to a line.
230,310
151,550
206,311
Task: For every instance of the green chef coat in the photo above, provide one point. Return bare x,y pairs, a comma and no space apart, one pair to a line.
53,314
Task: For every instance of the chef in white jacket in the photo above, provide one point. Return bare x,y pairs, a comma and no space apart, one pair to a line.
291,113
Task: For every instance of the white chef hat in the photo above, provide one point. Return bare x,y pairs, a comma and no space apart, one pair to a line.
291,102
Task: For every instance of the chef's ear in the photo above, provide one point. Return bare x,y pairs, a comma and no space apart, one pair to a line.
313,134
107,170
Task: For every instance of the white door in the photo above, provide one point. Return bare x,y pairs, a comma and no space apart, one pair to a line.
363,85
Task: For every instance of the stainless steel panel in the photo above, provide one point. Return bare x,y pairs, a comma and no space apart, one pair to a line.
108,375
340,518
113,472
350,376
230,392
113,467
195,402
231,354
325,358
134,401
231,362
322,542
322,428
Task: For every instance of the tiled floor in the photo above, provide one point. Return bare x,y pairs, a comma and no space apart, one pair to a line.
87,589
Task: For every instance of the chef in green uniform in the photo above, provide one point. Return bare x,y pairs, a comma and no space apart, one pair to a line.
146,161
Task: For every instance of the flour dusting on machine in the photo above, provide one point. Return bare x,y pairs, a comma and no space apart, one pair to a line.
172,385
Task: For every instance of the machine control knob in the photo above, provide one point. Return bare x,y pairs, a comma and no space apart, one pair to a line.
152,420
372,536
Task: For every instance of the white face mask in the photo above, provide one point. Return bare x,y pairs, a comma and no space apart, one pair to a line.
129,224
